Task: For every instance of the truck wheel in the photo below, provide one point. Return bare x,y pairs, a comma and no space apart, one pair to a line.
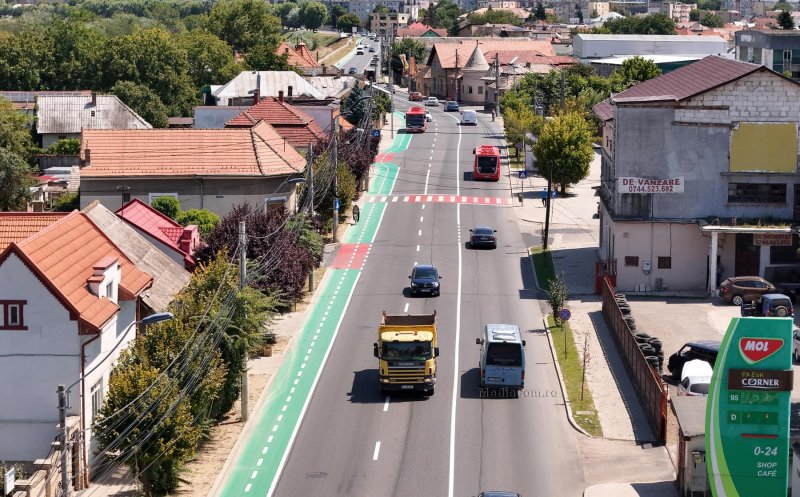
781,312
384,392
737,300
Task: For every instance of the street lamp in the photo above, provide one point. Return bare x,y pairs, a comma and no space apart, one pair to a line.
63,396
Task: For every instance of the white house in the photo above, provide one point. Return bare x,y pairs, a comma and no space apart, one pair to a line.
69,302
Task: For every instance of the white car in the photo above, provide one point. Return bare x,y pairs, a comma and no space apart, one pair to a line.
695,378
796,344
432,102
428,116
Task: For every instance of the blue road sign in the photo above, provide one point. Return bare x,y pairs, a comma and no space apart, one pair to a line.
523,174
564,314
336,204
376,132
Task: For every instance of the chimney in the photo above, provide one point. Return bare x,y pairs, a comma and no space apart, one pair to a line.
280,95
289,94
94,99
258,86
87,161
286,50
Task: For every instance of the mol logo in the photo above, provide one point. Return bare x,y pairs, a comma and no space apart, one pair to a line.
754,350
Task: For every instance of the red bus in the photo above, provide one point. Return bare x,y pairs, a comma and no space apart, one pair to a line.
487,163
415,120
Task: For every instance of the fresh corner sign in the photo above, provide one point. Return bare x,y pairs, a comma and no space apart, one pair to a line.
747,415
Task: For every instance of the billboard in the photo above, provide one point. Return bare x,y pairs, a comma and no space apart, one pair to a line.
747,415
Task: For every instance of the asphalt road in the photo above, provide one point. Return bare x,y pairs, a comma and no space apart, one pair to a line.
361,62
355,442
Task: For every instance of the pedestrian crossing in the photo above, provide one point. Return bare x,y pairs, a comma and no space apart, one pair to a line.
448,199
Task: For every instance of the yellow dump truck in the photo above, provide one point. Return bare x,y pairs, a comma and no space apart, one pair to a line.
406,350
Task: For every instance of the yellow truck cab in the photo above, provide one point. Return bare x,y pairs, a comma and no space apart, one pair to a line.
406,350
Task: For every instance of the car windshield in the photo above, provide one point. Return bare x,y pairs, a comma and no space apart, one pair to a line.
425,272
414,351
504,354
699,388
483,231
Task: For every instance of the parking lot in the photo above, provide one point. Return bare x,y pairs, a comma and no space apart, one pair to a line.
677,321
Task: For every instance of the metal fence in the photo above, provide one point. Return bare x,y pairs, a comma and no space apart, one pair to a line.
649,387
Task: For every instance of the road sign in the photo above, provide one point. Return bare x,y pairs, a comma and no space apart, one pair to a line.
336,204
522,174
564,314
748,410
376,133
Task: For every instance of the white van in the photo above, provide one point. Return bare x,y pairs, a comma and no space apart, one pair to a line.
469,117
695,378
502,357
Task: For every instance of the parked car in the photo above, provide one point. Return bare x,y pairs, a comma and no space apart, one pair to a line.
769,305
415,96
425,280
451,106
482,237
740,289
498,494
705,350
352,70
432,102
428,116
796,344
695,378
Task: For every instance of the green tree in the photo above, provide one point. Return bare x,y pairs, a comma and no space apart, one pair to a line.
714,5
354,106
67,202
711,21
493,16
282,10
15,132
785,20
540,14
22,59
77,55
16,178
64,146
169,206
517,123
244,24
143,101
266,58
381,9
783,6
694,15
210,58
203,218
313,15
564,149
409,46
655,24
557,295
443,14
347,22
635,70
335,13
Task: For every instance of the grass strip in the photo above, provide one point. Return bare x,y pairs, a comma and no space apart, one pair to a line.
543,264
583,411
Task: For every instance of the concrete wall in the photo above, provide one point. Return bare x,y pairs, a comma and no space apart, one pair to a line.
472,79
217,195
50,138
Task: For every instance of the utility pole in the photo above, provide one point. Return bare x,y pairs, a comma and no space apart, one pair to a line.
497,83
391,88
311,203
335,160
245,391
455,80
550,175
62,420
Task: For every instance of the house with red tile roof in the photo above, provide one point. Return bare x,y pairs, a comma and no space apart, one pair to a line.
687,154
212,169
300,57
176,241
69,302
294,125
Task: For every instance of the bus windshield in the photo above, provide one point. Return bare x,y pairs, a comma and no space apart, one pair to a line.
504,354
487,164
407,351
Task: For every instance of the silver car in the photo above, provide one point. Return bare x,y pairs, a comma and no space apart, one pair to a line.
432,102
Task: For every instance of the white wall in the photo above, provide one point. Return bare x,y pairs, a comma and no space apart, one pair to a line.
51,138
33,363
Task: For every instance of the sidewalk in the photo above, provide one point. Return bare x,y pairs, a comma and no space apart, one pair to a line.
573,241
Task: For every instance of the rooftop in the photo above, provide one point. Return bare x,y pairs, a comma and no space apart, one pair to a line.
17,226
154,223
297,127
57,114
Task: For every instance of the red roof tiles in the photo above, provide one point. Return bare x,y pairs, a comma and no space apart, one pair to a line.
64,254
294,125
17,226
687,81
298,56
160,227
257,151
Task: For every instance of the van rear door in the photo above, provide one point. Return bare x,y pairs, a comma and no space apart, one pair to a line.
504,365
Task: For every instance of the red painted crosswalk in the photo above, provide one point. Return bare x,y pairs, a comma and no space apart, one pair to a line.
351,256
452,199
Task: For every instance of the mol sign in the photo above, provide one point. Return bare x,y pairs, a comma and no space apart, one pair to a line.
747,414
649,185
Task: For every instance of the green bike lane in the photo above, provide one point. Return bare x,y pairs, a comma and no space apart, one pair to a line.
259,460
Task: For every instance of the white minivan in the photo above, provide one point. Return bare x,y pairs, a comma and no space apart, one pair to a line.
470,117
502,357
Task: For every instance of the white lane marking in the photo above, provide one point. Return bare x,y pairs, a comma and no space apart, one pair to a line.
259,462
427,176
289,399
420,219
420,233
405,198
280,417
247,488
417,248
264,450
405,309
452,468
376,451
269,440
275,428
394,199
253,475
386,402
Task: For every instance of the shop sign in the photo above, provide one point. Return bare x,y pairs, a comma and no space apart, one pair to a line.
650,185
773,239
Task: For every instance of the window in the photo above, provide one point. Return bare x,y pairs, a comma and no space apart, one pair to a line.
480,90
665,263
756,193
470,89
631,261
12,314
97,398
110,290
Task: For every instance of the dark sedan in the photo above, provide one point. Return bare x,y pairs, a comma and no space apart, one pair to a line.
425,280
482,237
